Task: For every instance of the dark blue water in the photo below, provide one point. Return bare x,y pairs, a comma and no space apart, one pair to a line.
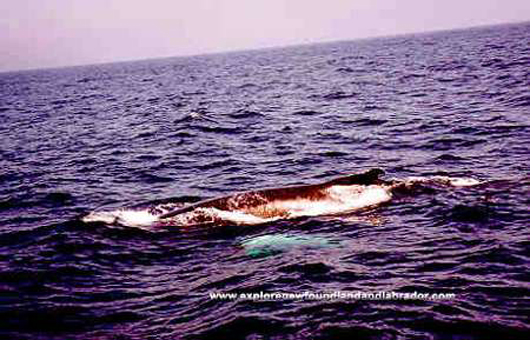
76,140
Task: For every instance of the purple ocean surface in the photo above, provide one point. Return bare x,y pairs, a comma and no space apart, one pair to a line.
178,130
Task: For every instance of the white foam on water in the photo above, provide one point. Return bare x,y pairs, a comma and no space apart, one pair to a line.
453,181
100,216
458,181
126,217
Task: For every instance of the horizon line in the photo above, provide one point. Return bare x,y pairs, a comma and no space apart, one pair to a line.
252,49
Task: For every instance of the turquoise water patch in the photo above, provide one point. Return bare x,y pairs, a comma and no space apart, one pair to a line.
271,244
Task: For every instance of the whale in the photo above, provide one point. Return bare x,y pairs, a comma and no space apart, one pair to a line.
344,193
341,195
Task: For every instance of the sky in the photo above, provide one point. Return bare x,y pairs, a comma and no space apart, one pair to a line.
53,33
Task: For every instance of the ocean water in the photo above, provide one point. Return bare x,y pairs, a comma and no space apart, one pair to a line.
148,134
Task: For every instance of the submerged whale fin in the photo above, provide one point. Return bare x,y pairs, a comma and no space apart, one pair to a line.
367,178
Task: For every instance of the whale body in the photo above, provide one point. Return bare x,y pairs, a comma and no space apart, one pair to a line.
338,196
342,192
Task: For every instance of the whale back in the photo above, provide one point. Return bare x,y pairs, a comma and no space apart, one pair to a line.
253,198
366,178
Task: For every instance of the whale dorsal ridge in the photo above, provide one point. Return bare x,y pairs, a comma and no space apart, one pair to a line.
366,178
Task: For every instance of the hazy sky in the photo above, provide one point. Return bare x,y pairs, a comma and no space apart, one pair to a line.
48,33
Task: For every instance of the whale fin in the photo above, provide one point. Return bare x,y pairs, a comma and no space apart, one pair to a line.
369,177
